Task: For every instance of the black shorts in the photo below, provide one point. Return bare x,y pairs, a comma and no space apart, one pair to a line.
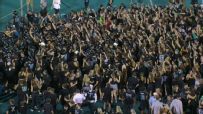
43,12
143,105
107,99
56,11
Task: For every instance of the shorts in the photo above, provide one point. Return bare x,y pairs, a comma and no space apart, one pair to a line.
56,11
114,86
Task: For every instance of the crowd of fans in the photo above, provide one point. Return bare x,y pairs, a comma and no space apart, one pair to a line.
146,56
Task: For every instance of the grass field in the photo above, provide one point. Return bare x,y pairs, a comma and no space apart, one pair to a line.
7,6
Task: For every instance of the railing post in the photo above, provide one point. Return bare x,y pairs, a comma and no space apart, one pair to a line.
21,7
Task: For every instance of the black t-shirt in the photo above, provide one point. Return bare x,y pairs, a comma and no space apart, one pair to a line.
23,109
62,78
132,82
129,95
21,96
30,17
144,70
107,94
40,98
80,60
63,93
38,73
91,95
48,108
10,73
47,79
158,81
99,80
12,109
93,80
53,97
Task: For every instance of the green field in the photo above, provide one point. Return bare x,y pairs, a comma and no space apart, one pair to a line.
7,6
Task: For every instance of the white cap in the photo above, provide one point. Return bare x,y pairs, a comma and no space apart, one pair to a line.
155,94
42,44
9,63
91,87
115,44
76,52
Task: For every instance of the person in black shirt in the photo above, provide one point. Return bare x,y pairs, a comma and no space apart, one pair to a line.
12,109
51,95
43,5
48,107
30,16
107,97
143,101
86,3
22,109
21,95
63,93
91,99
37,99
132,82
129,99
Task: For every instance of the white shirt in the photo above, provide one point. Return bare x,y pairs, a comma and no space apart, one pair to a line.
156,107
56,4
177,106
78,98
152,100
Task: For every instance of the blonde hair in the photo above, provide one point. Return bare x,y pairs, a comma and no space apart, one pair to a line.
99,111
96,69
118,110
86,78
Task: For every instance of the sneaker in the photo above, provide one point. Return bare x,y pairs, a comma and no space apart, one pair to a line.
31,110
35,107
